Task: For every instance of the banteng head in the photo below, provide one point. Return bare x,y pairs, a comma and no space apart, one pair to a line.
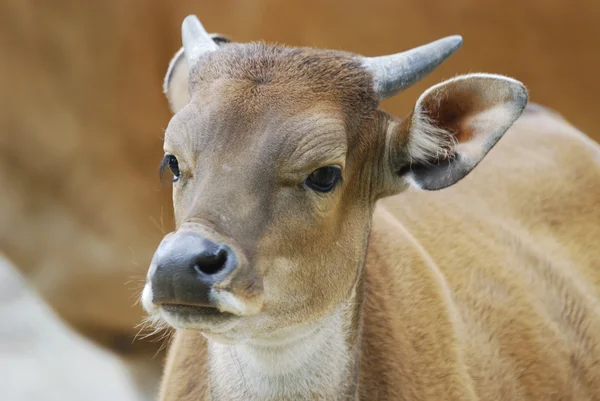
279,155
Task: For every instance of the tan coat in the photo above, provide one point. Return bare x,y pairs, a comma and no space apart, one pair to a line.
486,290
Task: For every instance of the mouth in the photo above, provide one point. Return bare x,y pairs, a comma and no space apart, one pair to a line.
188,310
217,319
197,317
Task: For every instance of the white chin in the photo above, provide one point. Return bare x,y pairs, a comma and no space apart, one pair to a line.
173,320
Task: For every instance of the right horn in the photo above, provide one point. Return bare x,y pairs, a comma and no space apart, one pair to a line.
396,72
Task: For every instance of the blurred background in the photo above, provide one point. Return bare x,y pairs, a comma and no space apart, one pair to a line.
81,121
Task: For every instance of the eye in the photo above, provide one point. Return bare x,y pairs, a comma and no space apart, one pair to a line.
171,162
324,178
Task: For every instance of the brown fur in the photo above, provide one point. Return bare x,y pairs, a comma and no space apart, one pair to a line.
477,291
488,289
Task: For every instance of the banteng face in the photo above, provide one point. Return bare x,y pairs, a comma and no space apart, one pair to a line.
279,155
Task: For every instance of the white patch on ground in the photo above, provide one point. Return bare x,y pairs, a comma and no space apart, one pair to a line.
41,359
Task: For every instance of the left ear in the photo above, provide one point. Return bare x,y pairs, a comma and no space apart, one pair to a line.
453,126
175,84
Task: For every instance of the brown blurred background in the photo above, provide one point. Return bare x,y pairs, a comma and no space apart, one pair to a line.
82,116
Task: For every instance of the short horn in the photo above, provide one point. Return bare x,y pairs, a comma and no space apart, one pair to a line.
396,72
196,41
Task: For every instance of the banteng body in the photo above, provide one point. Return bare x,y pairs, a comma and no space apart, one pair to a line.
327,250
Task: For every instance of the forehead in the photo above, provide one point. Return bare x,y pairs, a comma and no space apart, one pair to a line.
334,74
249,88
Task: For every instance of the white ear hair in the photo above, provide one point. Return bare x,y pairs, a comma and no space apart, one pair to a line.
428,142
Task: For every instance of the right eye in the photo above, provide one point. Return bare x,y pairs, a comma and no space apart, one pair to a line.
171,162
324,178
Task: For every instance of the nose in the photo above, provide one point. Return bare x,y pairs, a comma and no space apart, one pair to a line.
187,266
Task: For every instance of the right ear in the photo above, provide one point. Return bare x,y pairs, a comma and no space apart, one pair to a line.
453,126
175,85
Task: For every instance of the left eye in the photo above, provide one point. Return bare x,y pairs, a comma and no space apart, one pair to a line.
173,164
324,179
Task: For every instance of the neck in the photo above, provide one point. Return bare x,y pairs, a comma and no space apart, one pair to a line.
320,363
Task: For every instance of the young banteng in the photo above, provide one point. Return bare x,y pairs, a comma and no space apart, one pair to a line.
289,277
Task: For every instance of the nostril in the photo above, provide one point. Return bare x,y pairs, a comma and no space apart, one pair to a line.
211,262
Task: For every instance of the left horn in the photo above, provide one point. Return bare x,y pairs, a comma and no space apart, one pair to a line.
396,72
196,41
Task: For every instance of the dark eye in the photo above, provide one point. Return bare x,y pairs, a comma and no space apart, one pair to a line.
324,178
171,162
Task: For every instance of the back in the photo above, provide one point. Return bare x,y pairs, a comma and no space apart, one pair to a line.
493,285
